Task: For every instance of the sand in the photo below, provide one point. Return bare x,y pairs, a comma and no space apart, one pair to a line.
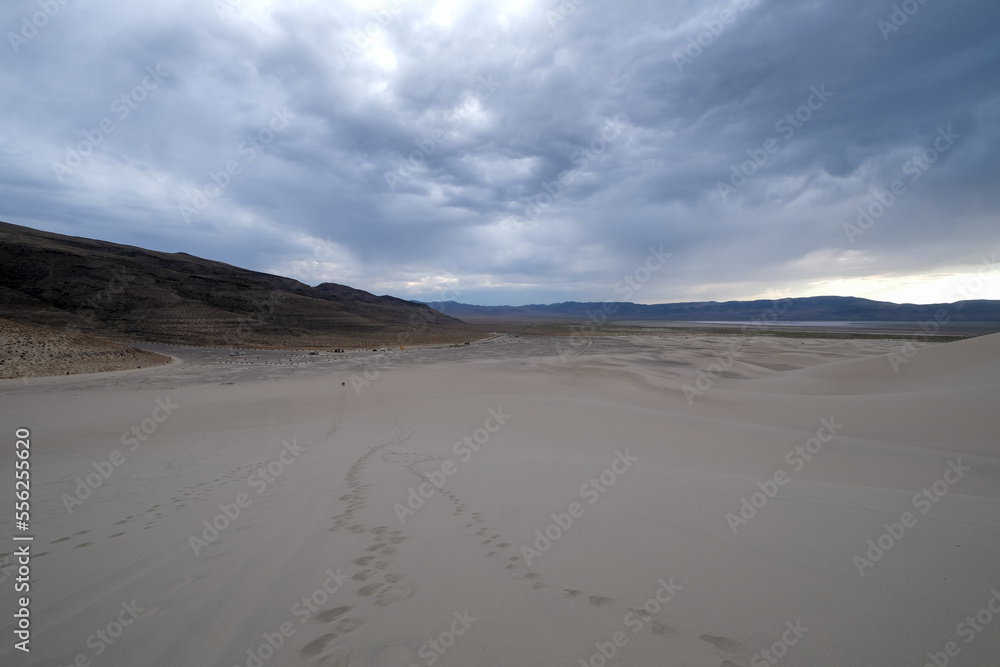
651,563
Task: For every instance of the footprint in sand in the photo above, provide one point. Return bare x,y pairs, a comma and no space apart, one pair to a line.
185,582
664,630
115,535
371,589
724,644
85,544
599,600
61,539
343,627
565,593
393,595
330,615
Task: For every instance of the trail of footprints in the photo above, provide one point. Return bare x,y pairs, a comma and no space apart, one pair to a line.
728,649
150,510
191,493
384,588
487,538
197,492
375,583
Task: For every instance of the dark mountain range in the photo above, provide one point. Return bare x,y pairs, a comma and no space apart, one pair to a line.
807,309
136,294
115,291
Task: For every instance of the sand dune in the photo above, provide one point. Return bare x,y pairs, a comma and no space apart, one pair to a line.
340,549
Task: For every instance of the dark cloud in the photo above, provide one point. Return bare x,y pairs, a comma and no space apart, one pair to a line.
517,151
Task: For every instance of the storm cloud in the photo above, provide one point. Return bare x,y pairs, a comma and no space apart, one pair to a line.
519,152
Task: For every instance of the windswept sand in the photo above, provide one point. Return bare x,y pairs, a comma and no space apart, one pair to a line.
725,596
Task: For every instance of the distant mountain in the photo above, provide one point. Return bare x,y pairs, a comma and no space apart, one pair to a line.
806,309
132,293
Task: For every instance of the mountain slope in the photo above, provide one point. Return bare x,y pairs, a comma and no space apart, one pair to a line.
128,292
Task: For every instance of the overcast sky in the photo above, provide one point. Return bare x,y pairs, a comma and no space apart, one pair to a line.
520,152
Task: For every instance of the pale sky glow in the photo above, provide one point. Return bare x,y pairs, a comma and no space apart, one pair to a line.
442,147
